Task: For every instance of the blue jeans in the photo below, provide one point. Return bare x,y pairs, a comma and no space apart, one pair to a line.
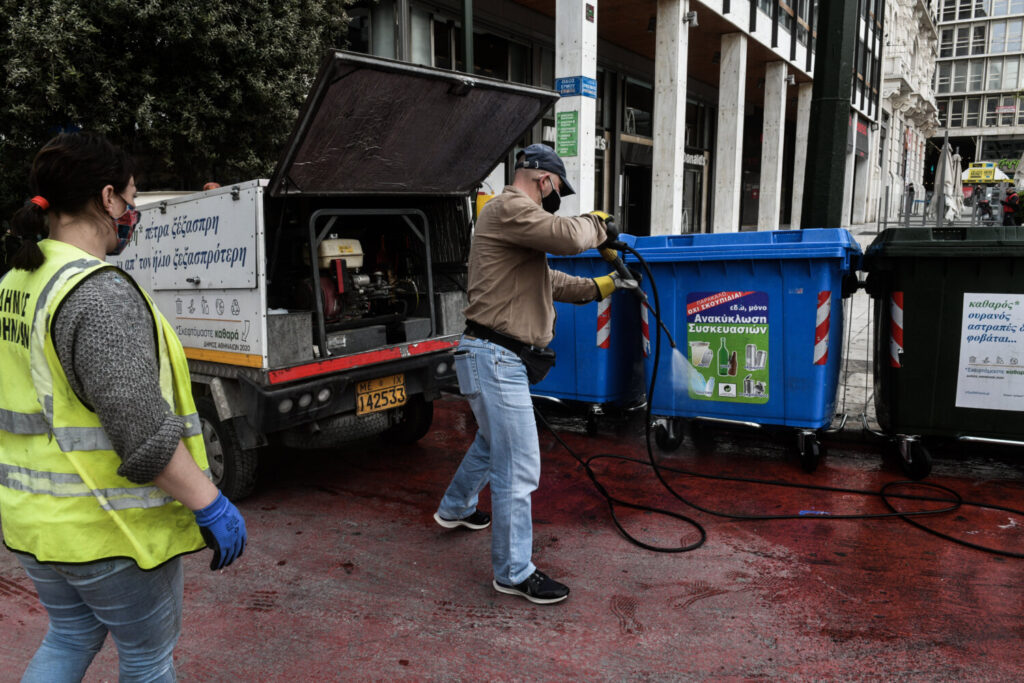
505,453
140,609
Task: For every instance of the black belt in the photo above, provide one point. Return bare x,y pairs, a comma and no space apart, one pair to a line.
474,329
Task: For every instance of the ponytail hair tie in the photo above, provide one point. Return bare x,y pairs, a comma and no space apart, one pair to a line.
40,202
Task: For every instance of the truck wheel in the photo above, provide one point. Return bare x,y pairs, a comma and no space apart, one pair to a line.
413,421
232,467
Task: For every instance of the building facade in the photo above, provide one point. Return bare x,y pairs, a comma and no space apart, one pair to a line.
979,79
676,115
909,111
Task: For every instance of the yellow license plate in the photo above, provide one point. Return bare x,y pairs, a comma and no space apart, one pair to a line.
378,394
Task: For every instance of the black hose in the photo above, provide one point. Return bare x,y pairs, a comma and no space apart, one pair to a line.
951,502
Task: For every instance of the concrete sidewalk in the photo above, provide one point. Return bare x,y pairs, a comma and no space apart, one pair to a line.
855,399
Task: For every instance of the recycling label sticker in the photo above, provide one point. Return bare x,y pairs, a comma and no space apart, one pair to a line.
727,336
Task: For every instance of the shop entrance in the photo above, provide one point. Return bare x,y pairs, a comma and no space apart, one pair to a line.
693,195
636,204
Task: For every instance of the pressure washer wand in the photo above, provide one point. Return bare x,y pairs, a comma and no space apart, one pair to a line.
612,257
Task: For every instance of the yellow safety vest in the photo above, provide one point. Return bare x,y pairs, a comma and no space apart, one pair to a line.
61,499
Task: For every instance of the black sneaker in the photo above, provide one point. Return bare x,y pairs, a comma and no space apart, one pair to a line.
537,588
476,521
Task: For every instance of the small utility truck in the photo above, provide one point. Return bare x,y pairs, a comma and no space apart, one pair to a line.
323,305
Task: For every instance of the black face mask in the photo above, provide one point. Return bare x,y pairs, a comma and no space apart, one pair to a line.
552,201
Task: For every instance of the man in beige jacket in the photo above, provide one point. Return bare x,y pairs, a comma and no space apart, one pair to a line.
510,321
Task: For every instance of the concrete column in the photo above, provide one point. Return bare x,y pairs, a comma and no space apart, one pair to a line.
670,63
772,139
803,119
865,189
729,142
851,166
862,187
575,112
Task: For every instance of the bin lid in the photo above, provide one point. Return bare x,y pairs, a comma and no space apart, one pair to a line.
731,246
950,242
373,126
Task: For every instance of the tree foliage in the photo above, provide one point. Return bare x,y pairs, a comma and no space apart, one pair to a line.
195,90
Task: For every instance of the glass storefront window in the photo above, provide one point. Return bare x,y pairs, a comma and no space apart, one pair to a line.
358,34
419,37
491,56
639,103
382,29
443,45
518,63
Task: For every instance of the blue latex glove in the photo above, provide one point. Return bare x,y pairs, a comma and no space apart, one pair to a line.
223,529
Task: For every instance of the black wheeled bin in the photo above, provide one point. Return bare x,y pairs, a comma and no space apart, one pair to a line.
949,342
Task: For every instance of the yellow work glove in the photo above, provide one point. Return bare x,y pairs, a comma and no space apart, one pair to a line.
607,248
606,284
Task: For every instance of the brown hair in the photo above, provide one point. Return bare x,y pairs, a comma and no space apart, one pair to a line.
70,171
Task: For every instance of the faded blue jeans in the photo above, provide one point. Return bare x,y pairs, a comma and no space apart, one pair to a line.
140,609
505,453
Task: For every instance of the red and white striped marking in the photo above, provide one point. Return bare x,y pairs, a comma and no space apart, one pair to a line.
822,321
896,329
645,330
604,323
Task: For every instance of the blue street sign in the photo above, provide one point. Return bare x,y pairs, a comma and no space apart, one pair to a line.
573,86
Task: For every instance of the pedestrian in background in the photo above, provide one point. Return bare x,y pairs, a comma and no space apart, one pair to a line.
1011,207
102,482
510,321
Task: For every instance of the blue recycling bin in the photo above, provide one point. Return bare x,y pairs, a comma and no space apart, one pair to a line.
597,345
757,318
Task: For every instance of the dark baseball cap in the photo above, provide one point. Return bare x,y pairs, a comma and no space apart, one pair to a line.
542,157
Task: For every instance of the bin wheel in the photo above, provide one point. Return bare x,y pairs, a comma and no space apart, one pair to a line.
592,424
810,451
412,421
916,459
232,468
703,436
668,434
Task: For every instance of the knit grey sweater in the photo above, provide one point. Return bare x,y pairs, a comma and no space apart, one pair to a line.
104,337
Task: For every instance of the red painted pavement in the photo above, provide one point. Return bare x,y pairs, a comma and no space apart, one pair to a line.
347,577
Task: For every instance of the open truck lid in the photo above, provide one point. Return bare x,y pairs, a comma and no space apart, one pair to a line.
372,126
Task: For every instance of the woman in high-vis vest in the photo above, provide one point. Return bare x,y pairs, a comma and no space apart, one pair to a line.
103,476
